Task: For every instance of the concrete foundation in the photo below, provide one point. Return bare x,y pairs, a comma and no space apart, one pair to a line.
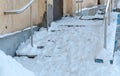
9,44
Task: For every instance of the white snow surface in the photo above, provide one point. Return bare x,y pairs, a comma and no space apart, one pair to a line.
118,6
10,67
70,51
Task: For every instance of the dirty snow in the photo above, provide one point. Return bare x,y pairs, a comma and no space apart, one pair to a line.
69,48
10,67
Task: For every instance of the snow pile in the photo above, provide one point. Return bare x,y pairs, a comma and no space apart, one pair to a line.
26,49
10,67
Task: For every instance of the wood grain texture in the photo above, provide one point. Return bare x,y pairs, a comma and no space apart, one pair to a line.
12,23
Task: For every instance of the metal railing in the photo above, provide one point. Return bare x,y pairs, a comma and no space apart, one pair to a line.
79,7
107,20
22,10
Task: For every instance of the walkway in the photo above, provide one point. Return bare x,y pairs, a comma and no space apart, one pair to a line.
70,47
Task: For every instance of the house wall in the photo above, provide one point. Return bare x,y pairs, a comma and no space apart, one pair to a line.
70,6
12,23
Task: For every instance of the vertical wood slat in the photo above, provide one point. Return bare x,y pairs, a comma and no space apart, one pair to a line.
21,21
41,10
6,21
1,15
35,12
12,23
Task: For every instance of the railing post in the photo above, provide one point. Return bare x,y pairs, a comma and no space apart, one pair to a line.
105,32
106,20
109,16
31,28
78,8
81,8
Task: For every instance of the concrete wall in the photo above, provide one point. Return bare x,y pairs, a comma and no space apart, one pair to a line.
9,44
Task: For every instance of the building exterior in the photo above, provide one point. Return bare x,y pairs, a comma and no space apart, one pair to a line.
40,13
11,23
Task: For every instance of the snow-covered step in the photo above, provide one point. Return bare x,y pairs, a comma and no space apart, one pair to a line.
107,54
82,37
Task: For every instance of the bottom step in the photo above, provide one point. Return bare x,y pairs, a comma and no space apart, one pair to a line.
99,61
29,56
102,61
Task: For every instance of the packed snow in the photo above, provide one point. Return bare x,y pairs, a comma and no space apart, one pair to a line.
69,48
10,67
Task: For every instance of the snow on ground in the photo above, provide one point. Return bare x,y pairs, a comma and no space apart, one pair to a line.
69,49
10,67
118,6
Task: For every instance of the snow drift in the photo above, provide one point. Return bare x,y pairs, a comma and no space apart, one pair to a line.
10,67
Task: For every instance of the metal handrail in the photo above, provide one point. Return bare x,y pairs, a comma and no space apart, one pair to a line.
79,2
107,12
20,10
107,6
